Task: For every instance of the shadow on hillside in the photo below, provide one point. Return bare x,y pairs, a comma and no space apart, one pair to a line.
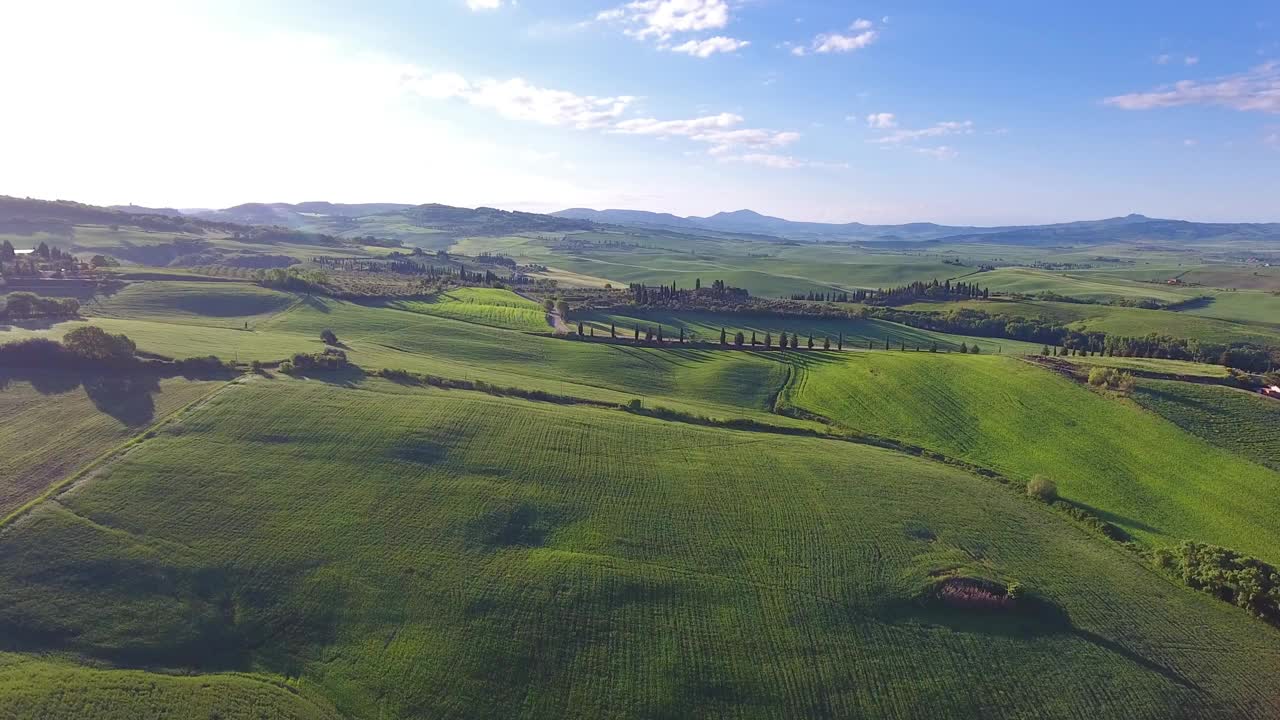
129,398
34,323
316,303
346,377
1120,521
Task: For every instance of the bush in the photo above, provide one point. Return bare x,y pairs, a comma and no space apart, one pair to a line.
1042,489
34,353
93,343
1112,379
1233,577
328,337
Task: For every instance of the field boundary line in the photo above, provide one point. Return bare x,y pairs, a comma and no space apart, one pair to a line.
90,470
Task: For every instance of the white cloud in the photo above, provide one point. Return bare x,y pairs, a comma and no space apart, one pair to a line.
1191,60
718,131
938,130
710,46
835,43
1163,59
1190,142
478,5
777,162
660,19
519,100
863,35
941,152
882,121
1256,90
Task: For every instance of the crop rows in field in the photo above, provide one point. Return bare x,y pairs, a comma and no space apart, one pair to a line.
61,690
215,304
1237,420
1130,467
51,423
433,553
483,306
857,333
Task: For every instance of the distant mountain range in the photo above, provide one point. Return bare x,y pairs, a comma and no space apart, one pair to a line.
433,225
1130,228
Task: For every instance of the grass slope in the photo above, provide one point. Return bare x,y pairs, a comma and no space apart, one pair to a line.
1132,467
52,689
857,332
483,306
52,423
427,554
214,304
1240,421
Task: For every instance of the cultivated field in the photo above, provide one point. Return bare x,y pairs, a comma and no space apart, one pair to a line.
52,423
1243,422
426,553
1131,467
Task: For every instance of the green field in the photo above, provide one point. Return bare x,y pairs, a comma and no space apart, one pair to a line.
1133,468
1240,421
215,304
483,306
51,424
1028,282
53,689
706,327
423,554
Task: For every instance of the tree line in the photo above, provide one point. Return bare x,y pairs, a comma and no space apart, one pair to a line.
902,294
25,305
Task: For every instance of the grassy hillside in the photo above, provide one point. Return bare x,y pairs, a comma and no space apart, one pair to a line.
426,554
1239,421
1132,467
215,304
1027,282
483,306
53,423
857,333
53,689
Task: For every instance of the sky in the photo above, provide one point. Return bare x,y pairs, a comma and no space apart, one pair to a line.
885,111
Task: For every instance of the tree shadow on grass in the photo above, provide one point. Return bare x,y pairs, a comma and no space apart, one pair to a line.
129,398
1123,521
346,377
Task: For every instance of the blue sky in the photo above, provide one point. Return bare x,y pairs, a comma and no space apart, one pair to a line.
978,112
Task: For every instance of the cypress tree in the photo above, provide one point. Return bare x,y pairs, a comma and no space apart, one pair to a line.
724,340
613,330
964,349
840,342
795,341
826,343
810,341
753,338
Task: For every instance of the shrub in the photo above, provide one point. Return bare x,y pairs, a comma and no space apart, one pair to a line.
1042,489
328,337
1233,577
1111,379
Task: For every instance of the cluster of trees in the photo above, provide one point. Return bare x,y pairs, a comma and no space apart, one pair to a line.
293,279
329,359
485,258
88,346
25,305
431,273
1067,340
1233,577
673,296
903,294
